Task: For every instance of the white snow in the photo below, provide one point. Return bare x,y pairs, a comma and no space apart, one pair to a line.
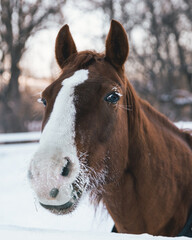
17,233
184,125
21,217
19,137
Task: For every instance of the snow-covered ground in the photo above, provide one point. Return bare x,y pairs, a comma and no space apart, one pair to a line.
21,217
184,125
19,137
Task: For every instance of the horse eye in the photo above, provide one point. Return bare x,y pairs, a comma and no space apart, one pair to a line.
112,97
42,100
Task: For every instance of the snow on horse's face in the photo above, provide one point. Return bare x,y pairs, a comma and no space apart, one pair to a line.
84,129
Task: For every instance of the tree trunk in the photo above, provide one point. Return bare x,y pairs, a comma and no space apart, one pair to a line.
12,92
11,119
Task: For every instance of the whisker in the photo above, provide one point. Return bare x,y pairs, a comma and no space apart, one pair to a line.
125,107
35,204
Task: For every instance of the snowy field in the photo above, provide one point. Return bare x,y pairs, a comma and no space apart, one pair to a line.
21,217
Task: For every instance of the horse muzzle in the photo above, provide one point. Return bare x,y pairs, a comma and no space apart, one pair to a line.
57,182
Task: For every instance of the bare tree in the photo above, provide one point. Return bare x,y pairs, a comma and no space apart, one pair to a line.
19,19
161,61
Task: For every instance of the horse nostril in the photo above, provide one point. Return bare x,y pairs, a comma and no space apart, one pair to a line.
54,192
65,169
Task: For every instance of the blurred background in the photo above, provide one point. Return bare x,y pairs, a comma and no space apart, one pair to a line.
159,64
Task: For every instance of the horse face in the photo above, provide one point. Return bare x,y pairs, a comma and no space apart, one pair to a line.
84,131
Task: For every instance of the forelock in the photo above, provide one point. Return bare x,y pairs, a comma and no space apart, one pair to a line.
82,60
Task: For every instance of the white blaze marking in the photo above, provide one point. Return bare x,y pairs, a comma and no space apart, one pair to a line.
61,123
57,142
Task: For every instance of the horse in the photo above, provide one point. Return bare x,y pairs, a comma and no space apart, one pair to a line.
99,137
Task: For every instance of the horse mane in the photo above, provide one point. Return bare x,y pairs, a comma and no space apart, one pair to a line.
185,134
188,136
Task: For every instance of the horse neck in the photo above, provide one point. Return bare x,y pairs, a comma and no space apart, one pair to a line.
154,195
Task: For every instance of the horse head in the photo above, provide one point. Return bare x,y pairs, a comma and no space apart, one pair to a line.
83,146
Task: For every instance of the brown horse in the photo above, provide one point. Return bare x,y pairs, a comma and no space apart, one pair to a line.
99,137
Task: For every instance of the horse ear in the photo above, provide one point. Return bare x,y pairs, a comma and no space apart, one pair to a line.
64,45
117,46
